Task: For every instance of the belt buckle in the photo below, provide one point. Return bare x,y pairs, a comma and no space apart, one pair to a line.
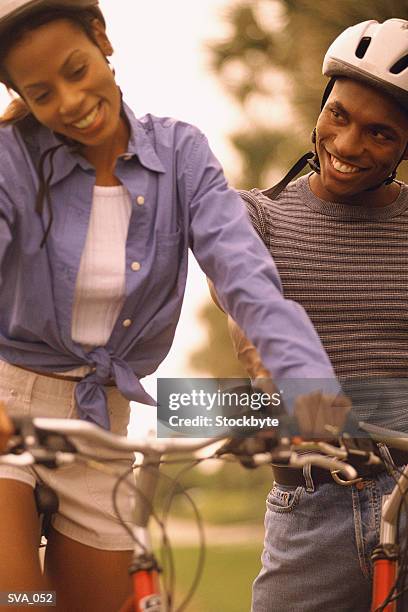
342,482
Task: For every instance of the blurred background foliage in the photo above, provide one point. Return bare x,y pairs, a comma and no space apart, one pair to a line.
270,64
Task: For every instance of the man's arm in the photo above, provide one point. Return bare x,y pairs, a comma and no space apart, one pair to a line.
244,349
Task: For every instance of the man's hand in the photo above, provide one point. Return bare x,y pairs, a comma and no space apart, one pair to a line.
320,415
6,428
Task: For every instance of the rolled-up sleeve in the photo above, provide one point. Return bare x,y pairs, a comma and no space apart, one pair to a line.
245,277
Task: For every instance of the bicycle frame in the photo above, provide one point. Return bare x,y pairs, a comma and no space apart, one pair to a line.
386,555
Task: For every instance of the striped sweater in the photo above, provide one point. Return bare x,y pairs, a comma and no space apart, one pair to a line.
348,267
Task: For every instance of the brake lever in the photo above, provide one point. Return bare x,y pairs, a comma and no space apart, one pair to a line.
47,448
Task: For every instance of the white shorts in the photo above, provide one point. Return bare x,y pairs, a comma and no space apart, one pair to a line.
85,511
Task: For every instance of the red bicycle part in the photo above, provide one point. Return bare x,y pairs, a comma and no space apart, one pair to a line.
385,573
147,591
146,597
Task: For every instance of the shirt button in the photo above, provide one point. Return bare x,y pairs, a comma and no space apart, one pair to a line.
127,323
140,200
135,266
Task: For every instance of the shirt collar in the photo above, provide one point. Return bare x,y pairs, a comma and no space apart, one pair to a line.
140,144
66,158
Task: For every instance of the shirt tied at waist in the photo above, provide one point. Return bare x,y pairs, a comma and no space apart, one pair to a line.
90,394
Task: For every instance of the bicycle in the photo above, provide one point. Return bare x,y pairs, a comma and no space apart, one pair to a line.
51,442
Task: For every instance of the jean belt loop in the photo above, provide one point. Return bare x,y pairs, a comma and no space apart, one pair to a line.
307,475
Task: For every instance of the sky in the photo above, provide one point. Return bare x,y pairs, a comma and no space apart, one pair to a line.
162,67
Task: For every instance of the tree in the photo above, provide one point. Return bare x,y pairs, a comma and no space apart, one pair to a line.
270,64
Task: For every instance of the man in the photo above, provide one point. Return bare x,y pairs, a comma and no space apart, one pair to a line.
339,239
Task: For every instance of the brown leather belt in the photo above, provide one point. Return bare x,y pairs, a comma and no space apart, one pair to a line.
110,383
293,477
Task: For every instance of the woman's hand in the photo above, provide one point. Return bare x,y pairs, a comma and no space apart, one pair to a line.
6,428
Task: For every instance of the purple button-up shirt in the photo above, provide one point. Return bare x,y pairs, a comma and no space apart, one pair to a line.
187,203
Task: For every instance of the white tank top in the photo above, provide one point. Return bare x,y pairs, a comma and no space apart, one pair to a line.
100,286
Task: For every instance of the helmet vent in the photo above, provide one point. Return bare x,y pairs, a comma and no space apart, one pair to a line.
363,46
399,66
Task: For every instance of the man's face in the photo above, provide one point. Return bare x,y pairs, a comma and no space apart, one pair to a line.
361,135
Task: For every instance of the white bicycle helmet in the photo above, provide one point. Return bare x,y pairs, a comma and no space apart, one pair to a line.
374,53
12,10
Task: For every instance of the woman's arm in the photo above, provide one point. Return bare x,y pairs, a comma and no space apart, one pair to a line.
246,279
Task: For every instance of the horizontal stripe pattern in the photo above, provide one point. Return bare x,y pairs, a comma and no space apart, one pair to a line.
348,267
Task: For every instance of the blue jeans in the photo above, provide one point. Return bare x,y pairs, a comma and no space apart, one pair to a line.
317,548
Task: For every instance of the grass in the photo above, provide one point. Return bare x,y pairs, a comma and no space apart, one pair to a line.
227,496
226,580
227,506
216,494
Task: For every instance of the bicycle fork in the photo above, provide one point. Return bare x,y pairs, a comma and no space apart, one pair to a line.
386,555
144,568
385,562
146,588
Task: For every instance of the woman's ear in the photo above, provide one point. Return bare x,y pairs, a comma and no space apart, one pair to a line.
101,37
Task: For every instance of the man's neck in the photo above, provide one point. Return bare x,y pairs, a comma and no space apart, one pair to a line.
383,196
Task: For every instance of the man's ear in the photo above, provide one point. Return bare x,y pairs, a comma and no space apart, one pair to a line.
101,37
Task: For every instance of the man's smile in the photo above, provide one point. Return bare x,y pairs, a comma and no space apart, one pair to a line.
343,167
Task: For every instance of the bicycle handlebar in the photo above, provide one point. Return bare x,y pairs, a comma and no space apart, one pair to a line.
388,436
290,451
107,440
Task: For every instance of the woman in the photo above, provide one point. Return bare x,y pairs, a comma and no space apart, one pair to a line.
98,210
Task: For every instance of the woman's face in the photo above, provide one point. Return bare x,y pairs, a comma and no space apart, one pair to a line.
66,82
